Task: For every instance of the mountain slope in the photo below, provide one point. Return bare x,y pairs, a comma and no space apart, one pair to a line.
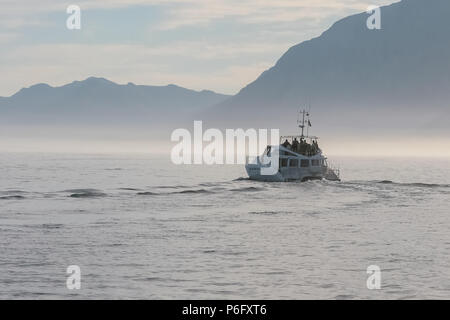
102,102
355,76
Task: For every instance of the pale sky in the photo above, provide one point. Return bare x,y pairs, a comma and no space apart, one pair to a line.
220,45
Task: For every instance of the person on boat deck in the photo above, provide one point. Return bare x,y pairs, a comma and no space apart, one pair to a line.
295,145
286,144
303,146
308,151
316,146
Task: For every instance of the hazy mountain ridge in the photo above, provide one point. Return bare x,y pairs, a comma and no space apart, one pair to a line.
392,81
101,101
355,74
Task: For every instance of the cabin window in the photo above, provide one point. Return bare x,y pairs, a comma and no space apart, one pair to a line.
283,163
304,163
315,162
293,163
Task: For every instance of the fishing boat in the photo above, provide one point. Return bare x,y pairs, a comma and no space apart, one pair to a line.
296,158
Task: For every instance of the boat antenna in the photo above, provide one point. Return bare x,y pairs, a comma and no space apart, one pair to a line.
308,122
301,123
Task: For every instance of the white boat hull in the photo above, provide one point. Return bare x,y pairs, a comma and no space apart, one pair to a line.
286,174
293,167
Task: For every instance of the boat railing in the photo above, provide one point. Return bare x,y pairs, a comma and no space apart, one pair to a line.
334,169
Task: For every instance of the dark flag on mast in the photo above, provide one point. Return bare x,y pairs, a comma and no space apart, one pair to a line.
309,123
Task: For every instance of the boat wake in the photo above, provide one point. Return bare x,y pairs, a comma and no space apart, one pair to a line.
85,193
415,184
239,185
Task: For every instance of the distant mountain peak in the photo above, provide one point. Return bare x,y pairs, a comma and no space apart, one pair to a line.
39,87
97,79
101,102
356,73
408,55
94,81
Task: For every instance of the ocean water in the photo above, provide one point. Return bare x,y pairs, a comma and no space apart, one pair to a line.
140,227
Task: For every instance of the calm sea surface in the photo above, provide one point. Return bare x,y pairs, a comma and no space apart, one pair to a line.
140,227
